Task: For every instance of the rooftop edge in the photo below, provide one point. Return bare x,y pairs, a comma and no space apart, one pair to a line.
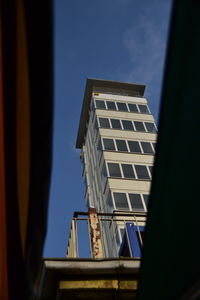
92,83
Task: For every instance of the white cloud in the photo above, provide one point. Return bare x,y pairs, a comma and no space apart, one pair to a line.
145,43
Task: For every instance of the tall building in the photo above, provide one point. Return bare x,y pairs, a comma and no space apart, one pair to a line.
117,136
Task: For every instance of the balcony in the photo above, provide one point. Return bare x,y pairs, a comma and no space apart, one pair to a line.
106,235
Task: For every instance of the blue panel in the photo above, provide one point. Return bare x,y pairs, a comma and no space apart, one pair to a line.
130,242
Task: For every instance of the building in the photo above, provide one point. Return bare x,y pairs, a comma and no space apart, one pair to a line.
117,136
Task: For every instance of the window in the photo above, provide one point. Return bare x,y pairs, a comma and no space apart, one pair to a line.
109,144
143,108
111,105
95,125
121,145
142,172
109,202
116,124
127,125
133,107
146,198
136,202
122,106
104,123
128,171
150,127
147,148
121,201
114,170
154,145
134,147
151,169
99,146
100,104
104,172
139,126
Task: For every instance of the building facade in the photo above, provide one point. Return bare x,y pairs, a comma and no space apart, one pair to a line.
117,137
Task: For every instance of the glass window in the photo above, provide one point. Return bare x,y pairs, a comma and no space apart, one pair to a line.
121,201
133,107
134,147
109,144
95,125
127,125
109,202
103,171
128,171
122,106
142,172
147,148
151,169
154,145
116,124
143,108
121,145
136,202
99,146
146,198
150,127
100,104
139,126
111,105
104,123
114,170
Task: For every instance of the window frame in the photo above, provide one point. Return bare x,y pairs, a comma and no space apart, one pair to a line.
134,170
126,128
101,101
144,104
111,102
122,127
129,201
119,122
113,198
109,170
147,172
143,144
141,199
155,127
117,146
124,104
103,138
98,120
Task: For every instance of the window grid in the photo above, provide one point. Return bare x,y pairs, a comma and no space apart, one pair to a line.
127,145
139,106
128,200
114,202
133,123
134,169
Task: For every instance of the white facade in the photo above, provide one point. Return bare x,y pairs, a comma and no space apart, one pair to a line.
118,147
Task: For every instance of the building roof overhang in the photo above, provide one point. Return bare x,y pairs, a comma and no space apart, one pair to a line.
91,84
74,278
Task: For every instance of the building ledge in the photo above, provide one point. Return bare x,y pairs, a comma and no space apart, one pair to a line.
88,279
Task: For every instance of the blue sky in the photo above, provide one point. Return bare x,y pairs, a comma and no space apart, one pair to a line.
123,40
